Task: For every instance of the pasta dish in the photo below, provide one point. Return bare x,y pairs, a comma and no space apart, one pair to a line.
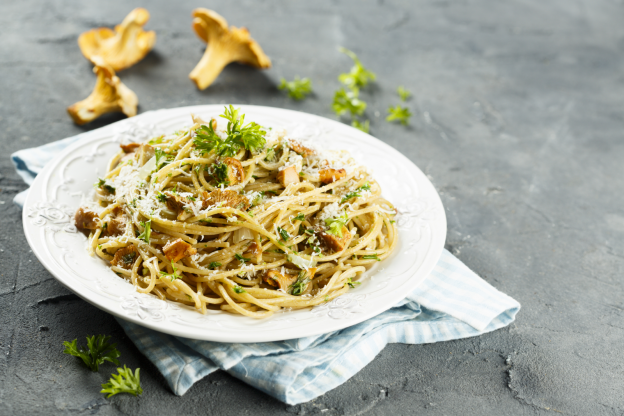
232,216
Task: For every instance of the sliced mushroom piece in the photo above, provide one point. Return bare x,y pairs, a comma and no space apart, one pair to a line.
176,250
226,198
333,242
125,257
276,279
87,219
109,95
331,175
235,170
225,45
122,47
288,176
300,149
117,224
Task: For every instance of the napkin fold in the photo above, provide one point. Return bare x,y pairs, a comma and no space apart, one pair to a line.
451,303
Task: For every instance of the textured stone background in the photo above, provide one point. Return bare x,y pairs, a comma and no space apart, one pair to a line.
517,120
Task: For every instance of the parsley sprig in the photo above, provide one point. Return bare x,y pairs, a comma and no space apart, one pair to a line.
356,193
359,76
298,88
399,113
334,225
348,101
283,234
403,93
97,352
239,135
123,382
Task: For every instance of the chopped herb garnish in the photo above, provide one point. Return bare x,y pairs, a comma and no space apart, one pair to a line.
213,265
123,382
173,276
364,126
335,224
283,234
147,231
298,88
356,193
371,257
299,286
103,185
348,101
241,258
129,258
352,284
299,217
403,93
401,114
105,226
270,155
98,350
219,171
358,76
162,158
161,197
238,289
206,220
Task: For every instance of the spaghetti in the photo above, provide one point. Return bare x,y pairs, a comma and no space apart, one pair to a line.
238,218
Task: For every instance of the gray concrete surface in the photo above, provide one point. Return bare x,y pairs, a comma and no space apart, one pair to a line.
518,119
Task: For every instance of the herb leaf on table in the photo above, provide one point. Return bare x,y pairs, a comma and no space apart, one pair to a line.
97,352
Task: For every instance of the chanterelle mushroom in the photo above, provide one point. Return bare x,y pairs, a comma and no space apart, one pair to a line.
109,95
225,45
122,47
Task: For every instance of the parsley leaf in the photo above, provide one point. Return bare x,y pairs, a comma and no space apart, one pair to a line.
250,136
283,234
358,76
214,265
335,224
239,135
371,257
363,126
123,382
299,286
98,350
403,93
241,258
147,231
348,101
219,171
102,183
270,155
238,289
299,217
352,284
298,88
356,193
161,197
162,158
399,113
173,276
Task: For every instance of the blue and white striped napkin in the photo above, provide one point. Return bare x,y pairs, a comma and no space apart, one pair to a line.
452,303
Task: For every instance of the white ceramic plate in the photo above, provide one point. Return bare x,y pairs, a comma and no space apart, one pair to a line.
56,194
